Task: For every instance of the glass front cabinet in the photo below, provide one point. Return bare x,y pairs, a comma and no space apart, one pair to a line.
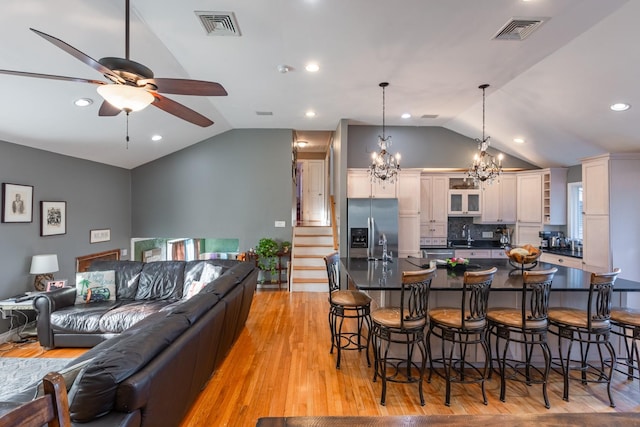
464,202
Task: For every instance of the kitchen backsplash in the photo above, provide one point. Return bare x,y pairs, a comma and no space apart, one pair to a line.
456,223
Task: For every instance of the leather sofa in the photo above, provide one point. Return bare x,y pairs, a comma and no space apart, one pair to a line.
151,373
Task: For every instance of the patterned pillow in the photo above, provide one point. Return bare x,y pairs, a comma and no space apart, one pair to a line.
194,288
95,286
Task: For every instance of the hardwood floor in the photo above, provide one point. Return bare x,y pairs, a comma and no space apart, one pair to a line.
281,366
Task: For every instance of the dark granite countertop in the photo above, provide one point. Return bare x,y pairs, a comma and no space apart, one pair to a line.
375,275
563,252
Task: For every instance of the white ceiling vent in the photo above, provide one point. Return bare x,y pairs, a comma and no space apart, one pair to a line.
519,28
219,23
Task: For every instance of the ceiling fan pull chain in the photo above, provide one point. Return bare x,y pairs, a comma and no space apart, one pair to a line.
127,129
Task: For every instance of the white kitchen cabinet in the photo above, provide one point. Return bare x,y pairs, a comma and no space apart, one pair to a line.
611,202
541,200
499,253
529,197
408,236
409,197
359,185
409,194
473,253
464,202
433,206
565,261
499,201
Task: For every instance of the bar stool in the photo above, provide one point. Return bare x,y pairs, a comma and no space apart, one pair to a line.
587,327
402,325
526,325
626,324
462,327
346,304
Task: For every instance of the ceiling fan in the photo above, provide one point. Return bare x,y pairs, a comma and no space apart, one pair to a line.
132,86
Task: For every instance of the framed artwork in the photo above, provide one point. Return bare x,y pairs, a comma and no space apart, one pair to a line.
101,235
17,203
55,284
53,218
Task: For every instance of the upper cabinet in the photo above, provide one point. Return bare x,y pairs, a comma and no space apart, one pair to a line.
433,198
464,202
499,201
359,185
408,189
542,196
595,179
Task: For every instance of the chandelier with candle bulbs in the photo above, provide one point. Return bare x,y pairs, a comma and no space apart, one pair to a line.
484,168
384,166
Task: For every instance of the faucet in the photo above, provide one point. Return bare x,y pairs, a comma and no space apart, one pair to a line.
467,231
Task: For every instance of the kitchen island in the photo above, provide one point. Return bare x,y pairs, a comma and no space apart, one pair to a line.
570,288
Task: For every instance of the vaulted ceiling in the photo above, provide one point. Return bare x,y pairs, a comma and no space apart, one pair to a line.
553,88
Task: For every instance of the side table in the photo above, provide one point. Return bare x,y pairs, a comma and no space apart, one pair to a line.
8,306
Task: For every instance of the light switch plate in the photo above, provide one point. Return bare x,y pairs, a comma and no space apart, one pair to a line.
123,252
280,224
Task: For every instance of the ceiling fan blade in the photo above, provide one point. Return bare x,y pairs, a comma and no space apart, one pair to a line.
52,77
106,109
80,56
179,110
185,86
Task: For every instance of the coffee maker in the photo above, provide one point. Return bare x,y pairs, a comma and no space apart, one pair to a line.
551,239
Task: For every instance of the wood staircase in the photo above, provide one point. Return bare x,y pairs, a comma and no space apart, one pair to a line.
309,247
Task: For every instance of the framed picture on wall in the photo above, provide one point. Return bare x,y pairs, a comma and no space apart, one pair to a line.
17,203
53,218
101,235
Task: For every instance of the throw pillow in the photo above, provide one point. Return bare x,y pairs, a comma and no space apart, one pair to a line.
69,375
195,287
95,286
210,272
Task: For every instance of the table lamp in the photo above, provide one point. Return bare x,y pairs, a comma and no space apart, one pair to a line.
43,266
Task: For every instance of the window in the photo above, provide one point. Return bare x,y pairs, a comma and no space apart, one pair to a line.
574,210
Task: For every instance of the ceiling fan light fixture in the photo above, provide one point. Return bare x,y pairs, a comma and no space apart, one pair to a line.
83,102
124,97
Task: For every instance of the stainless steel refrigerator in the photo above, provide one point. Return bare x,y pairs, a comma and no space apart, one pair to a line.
369,221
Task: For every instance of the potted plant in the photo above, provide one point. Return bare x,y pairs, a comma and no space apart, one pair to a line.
285,246
267,251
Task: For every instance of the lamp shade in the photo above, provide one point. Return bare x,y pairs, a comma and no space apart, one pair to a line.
124,97
44,264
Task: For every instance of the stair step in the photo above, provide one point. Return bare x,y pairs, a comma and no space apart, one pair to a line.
310,267
318,280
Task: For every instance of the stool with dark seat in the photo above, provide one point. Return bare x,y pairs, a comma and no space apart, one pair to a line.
526,325
462,327
589,327
626,324
403,324
346,304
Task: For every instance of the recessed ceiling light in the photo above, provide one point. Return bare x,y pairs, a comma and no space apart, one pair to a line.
310,113
301,143
83,102
156,137
406,116
620,106
312,67
518,140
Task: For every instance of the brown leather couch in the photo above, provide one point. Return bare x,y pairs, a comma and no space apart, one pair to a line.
151,373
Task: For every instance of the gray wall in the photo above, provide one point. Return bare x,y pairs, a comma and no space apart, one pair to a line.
419,147
97,196
233,185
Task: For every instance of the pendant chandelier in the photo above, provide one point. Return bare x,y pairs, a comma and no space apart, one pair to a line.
484,168
384,166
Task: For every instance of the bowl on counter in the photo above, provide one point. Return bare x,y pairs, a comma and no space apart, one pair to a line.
526,254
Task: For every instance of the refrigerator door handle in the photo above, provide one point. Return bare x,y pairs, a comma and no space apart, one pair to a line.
371,246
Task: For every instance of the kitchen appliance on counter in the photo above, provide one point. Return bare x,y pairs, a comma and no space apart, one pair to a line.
371,221
553,240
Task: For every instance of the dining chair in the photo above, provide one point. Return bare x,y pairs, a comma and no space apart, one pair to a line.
402,324
346,304
590,327
625,322
527,326
51,409
462,327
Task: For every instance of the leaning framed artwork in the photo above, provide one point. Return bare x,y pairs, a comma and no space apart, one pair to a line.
53,218
17,203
